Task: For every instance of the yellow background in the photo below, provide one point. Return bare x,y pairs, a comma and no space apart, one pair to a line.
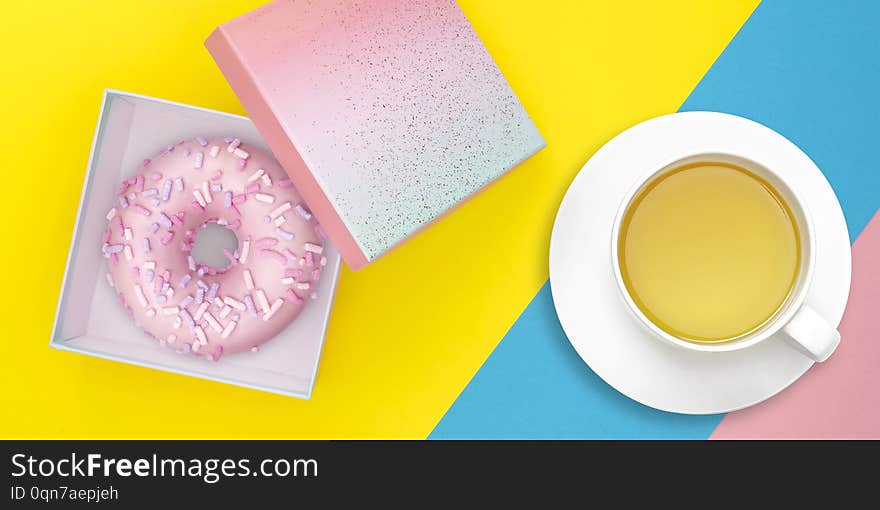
408,332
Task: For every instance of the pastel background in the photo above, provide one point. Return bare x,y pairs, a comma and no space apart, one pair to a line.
461,342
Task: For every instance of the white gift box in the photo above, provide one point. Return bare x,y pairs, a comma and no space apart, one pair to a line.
90,320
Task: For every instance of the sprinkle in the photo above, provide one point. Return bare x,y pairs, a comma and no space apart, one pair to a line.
200,294
313,295
129,255
155,176
176,219
170,310
213,322
154,228
139,292
218,351
171,338
248,279
237,199
303,286
265,242
261,300
178,322
150,264
265,198
302,211
151,312
166,237
274,254
316,275
288,236
293,296
166,190
230,326
267,219
320,231
207,192
255,349
214,151
113,248
323,261
139,183
212,292
199,198
241,153
201,141
127,234
123,202
310,259
216,175
252,188
150,192
178,184
291,257
186,301
266,180
141,209
245,248
185,349
200,158
216,187
188,318
227,199
276,305
110,280
242,163
234,303
314,248
111,213
288,281
279,221
286,183
200,310
202,285
256,175
192,262
157,284
233,145
184,281
225,311
186,152
200,333
164,220
281,209
293,273
249,303
227,139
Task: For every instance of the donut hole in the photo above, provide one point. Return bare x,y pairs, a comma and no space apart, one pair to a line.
209,244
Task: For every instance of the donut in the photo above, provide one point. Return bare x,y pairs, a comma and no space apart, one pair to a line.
188,305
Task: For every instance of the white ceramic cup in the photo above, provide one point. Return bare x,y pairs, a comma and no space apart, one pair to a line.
803,327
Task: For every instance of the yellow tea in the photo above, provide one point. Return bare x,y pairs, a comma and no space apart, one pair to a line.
709,251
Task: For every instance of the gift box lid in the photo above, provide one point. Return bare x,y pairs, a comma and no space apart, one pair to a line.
386,114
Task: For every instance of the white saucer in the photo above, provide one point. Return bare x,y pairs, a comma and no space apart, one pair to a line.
593,314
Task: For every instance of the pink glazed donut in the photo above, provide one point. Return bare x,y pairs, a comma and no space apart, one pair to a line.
192,307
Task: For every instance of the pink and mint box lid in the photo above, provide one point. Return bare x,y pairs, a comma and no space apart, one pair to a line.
385,113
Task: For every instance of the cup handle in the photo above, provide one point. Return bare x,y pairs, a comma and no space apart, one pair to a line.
811,334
